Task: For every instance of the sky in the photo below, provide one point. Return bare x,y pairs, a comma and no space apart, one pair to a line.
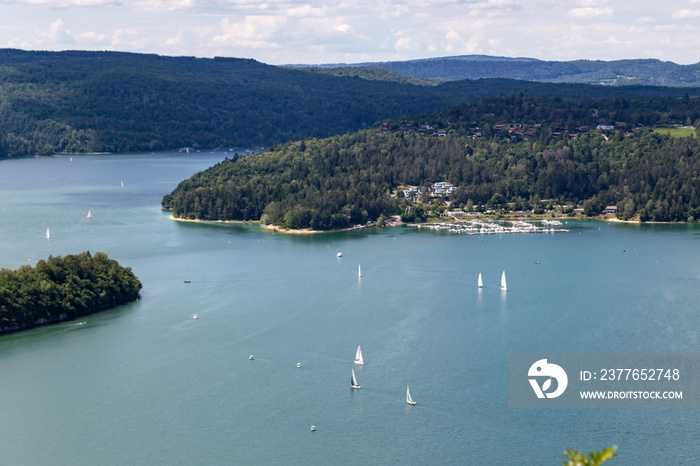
354,31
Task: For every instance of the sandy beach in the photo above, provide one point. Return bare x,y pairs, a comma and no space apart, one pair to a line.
394,220
178,219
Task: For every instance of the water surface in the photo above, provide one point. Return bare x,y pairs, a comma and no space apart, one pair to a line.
147,384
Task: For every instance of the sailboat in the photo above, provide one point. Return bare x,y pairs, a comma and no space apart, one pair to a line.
358,356
359,271
353,381
480,283
503,282
48,235
89,215
122,183
409,400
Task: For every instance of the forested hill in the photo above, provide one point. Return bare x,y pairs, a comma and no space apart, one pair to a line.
616,72
63,288
503,152
116,102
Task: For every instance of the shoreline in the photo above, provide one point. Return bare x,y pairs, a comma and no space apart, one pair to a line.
617,220
278,229
196,220
391,222
272,228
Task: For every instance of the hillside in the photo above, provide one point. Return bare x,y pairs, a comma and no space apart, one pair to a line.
617,72
502,152
73,102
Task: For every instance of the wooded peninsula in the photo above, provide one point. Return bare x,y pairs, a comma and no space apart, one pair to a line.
63,288
506,153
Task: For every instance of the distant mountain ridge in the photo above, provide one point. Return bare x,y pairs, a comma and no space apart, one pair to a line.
78,102
652,72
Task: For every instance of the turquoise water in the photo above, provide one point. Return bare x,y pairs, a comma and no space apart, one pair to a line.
147,384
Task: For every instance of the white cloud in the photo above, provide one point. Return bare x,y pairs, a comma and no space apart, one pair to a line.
90,38
590,12
125,38
454,43
405,44
158,6
498,4
612,40
307,10
70,3
294,31
58,34
175,41
685,13
256,31
345,29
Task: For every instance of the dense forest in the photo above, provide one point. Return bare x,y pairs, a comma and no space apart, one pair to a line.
503,152
616,72
81,102
63,288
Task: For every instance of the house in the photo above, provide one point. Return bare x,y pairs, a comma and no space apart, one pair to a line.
611,209
412,193
456,213
442,189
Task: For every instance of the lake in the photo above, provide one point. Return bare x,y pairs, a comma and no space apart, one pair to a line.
146,383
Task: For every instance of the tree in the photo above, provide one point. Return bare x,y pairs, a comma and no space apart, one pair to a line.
596,458
591,208
497,201
63,288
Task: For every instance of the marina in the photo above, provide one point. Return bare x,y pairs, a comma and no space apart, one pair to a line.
481,227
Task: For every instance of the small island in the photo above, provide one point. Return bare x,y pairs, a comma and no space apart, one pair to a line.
63,288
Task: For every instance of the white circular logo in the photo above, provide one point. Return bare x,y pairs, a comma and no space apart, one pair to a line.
544,369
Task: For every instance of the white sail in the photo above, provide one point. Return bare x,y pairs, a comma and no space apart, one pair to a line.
122,183
358,356
89,215
359,271
48,234
353,381
409,400
480,283
503,281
